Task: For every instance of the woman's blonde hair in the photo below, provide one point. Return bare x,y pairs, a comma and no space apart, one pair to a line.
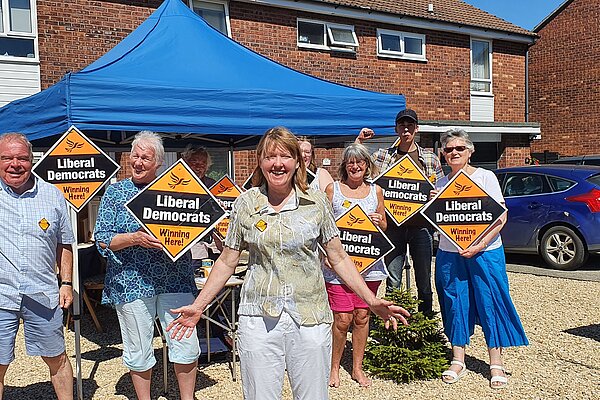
280,137
357,152
312,166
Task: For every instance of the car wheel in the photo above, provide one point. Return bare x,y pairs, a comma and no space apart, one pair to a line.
562,249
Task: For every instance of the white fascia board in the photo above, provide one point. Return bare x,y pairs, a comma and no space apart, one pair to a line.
531,130
393,19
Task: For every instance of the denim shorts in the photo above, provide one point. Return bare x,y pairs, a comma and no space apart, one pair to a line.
136,320
44,332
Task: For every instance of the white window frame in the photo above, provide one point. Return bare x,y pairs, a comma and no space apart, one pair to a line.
401,54
328,37
225,5
481,80
7,33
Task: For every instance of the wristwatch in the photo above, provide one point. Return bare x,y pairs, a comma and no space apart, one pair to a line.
66,283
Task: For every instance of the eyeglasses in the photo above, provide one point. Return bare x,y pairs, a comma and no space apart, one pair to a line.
460,149
145,160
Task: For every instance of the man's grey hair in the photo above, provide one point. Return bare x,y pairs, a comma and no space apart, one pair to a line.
17,137
152,139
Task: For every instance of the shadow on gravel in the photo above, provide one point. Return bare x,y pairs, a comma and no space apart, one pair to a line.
590,331
44,390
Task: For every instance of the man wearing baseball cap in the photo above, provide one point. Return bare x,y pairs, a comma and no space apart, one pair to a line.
416,231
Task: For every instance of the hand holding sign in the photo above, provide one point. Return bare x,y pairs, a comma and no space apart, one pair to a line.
141,238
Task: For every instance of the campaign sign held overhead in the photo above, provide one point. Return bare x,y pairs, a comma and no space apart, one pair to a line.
247,185
77,167
364,242
226,191
462,211
405,189
177,209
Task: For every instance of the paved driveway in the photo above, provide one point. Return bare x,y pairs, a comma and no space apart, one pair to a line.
531,264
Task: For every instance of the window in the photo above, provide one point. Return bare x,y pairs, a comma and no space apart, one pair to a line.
524,185
328,36
17,36
481,66
215,13
559,184
400,45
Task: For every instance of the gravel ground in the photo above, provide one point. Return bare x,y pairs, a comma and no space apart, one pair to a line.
561,318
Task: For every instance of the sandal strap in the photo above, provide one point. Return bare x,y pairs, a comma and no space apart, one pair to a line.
499,378
451,374
456,362
496,366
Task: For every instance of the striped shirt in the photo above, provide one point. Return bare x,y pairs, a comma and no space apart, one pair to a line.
34,223
430,163
284,270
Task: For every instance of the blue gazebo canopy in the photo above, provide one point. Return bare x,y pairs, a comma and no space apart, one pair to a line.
176,74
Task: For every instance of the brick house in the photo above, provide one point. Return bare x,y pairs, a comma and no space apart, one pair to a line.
456,65
563,93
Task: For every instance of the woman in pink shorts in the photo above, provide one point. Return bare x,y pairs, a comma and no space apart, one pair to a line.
348,309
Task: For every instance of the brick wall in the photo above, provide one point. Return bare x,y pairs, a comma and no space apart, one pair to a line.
564,67
73,34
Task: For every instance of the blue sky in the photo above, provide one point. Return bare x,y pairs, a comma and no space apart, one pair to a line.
524,13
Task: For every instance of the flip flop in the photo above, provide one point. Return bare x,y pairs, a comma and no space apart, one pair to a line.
455,377
498,381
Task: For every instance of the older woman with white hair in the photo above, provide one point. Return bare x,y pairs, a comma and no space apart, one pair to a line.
472,284
141,281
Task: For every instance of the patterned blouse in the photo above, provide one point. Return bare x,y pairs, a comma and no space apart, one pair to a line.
135,272
284,271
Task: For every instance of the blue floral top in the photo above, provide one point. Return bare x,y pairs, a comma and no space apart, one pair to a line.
135,272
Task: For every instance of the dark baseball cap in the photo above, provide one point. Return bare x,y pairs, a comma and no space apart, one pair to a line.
407,113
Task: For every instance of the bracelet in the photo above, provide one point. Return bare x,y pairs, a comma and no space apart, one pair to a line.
66,283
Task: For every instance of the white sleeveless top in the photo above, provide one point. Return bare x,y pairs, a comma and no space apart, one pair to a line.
378,271
315,183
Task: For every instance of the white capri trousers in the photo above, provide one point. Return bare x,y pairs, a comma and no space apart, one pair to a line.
269,346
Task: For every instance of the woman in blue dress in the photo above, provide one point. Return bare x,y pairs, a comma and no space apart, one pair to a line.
472,284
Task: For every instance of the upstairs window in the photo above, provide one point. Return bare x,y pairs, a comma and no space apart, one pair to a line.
481,66
396,44
17,36
328,36
215,13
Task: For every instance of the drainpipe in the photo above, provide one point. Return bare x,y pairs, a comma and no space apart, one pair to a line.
527,85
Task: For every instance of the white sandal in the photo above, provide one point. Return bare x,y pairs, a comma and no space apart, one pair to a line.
453,375
498,381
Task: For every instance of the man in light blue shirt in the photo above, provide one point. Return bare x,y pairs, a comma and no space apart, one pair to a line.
36,236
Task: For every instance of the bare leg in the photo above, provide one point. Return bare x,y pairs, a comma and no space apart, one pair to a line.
339,330
360,332
61,375
186,378
3,369
496,359
141,383
458,354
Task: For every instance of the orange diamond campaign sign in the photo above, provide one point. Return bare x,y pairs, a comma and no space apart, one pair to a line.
364,242
177,209
77,167
226,191
405,189
462,211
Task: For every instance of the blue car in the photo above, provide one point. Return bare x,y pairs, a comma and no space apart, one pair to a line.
553,211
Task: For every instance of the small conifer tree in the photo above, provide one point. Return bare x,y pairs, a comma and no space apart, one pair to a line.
414,352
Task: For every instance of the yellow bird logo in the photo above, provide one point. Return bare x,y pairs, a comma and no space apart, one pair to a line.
403,170
346,204
222,188
44,224
261,225
458,188
176,181
354,220
71,145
